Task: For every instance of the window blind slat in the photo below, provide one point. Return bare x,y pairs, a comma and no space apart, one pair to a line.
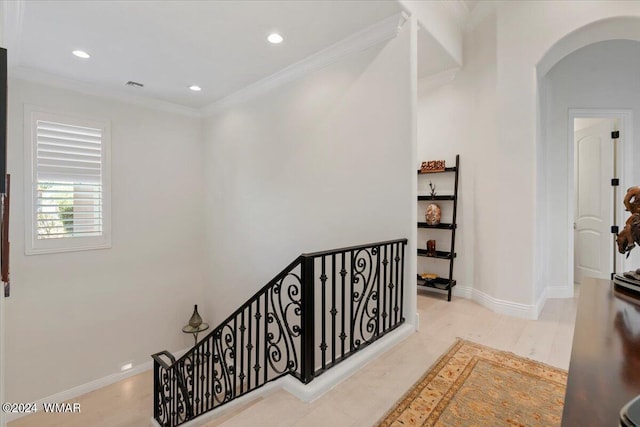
71,164
77,155
70,129
65,145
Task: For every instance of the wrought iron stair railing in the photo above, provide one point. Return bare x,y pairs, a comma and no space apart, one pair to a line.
321,309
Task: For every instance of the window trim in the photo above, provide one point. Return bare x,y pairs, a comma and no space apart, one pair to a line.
33,245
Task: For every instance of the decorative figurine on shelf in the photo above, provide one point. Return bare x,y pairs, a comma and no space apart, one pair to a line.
433,214
431,247
433,189
432,166
629,237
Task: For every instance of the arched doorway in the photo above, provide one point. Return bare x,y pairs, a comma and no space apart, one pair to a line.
590,70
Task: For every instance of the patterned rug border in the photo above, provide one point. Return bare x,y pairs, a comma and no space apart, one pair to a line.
403,402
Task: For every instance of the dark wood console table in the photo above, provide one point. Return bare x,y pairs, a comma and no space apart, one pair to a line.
604,372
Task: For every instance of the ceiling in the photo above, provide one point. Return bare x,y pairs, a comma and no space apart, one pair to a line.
170,45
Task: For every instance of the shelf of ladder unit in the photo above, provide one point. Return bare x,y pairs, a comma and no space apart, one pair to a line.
442,226
429,198
451,169
439,254
441,283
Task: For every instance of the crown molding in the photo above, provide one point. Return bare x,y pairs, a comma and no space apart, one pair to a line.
375,34
35,76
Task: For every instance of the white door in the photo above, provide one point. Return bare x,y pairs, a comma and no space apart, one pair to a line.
593,250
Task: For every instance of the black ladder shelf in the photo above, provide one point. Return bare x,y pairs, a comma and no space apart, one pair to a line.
442,283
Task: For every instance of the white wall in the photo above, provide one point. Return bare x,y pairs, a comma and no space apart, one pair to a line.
75,317
604,76
323,162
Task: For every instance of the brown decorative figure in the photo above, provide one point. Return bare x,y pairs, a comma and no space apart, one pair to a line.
632,200
431,247
629,237
630,234
433,214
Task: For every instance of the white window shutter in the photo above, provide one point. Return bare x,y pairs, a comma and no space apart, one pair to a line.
69,189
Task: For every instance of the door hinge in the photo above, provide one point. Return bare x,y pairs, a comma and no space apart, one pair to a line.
615,134
614,229
615,182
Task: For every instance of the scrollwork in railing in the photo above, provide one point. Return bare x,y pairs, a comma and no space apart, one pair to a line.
172,405
223,364
365,295
283,324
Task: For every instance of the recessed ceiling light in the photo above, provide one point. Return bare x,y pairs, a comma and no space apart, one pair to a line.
275,38
195,88
81,54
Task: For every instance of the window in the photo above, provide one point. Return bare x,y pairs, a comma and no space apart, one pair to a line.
68,196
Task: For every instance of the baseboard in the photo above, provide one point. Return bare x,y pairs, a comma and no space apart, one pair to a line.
524,311
74,392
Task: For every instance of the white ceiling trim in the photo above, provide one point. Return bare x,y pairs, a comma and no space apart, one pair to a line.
34,76
371,36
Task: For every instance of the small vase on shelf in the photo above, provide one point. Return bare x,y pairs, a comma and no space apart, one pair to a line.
433,214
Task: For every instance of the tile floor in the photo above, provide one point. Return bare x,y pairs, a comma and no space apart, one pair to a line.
364,397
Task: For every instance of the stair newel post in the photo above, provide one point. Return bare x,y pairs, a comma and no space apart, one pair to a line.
307,320
156,390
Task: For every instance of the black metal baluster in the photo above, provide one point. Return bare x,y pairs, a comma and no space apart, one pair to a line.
352,316
396,284
235,357
385,262
390,285
174,395
195,384
156,391
242,329
323,312
209,374
378,291
343,335
308,320
333,308
402,286
257,365
249,349
266,336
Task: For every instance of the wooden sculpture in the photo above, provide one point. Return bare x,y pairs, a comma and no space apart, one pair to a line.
630,234
629,237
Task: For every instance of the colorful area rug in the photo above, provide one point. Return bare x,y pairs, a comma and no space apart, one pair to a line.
474,385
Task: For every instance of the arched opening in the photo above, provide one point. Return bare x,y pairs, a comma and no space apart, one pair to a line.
590,73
